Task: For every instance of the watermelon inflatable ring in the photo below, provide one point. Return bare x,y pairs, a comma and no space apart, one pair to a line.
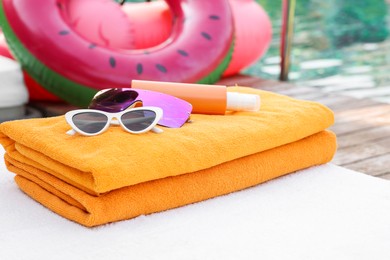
42,38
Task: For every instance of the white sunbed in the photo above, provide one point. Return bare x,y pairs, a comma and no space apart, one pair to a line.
325,212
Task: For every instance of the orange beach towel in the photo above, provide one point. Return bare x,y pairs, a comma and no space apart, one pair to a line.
117,159
47,160
171,192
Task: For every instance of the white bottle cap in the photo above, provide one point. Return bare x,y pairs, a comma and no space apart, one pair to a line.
13,92
242,102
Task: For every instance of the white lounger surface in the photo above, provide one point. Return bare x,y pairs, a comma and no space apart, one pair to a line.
325,212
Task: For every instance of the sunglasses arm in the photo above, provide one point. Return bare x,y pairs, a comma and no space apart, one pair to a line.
156,130
71,132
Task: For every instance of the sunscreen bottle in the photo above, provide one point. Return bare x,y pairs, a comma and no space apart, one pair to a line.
205,99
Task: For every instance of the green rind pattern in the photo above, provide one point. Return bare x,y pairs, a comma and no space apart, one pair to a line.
215,75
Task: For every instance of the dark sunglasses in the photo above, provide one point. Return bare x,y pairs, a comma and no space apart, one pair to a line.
92,122
113,100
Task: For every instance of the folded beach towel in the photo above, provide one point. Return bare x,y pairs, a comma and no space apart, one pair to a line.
117,175
117,159
162,194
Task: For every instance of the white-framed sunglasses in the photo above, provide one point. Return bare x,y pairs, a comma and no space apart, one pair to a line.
92,122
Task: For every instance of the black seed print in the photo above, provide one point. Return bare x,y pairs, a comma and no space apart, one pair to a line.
206,36
63,32
140,68
146,52
161,68
92,45
112,62
59,5
183,53
214,17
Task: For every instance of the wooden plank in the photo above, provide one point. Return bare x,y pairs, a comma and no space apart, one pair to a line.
334,102
364,136
377,166
379,111
385,176
342,128
304,95
342,103
246,81
360,152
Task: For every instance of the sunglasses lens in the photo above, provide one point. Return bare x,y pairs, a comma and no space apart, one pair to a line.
90,122
113,100
138,120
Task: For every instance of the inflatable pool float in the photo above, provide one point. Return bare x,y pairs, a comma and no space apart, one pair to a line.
73,68
253,34
151,24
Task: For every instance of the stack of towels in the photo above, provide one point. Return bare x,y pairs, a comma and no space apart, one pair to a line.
116,175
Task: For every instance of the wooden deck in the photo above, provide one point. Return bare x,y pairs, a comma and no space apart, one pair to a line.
362,126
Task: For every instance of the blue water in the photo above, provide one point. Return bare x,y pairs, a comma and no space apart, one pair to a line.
339,46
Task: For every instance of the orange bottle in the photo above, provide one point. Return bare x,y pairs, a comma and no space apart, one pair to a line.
205,99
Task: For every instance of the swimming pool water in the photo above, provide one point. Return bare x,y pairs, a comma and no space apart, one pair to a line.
339,46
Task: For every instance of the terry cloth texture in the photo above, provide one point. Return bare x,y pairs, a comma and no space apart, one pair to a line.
170,192
117,175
